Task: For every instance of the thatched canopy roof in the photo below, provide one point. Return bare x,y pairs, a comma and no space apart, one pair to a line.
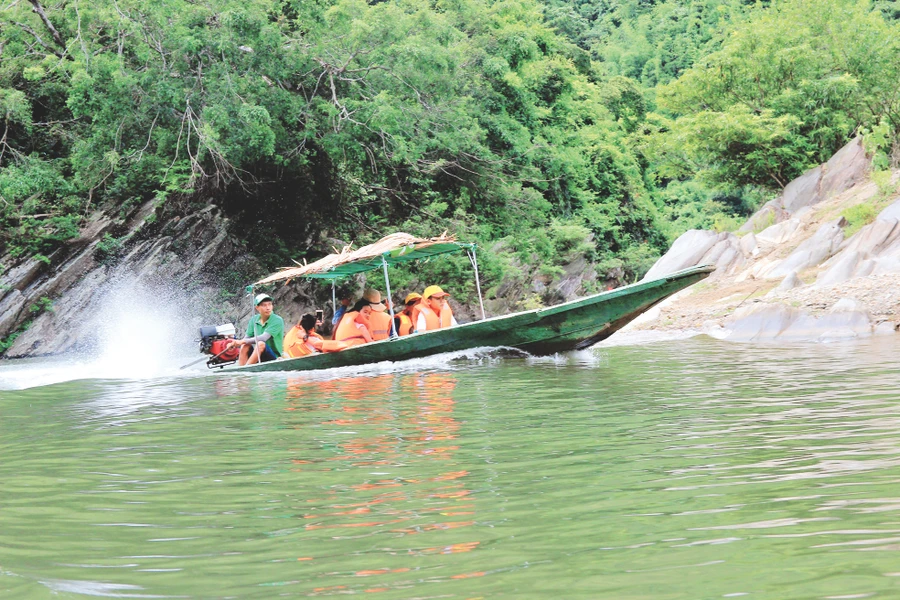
396,248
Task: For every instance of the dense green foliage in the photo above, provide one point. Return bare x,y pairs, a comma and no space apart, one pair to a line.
600,128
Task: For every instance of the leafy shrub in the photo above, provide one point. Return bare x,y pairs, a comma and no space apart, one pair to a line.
106,252
858,217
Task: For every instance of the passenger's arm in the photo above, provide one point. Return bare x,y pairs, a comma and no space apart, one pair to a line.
421,323
365,332
265,337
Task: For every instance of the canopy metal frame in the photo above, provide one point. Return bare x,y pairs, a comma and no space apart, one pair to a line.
391,257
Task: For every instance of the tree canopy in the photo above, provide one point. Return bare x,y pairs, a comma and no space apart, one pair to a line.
595,127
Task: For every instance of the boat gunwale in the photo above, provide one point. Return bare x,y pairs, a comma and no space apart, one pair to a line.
538,312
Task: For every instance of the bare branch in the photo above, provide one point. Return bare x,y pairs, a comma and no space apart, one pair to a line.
40,11
40,41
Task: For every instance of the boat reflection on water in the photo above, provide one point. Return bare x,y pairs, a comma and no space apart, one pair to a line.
399,432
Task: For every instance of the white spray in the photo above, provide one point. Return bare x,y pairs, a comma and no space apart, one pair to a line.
142,332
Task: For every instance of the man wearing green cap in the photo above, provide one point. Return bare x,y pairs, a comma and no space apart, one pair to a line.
265,334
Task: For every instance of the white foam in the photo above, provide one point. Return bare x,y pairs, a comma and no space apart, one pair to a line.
143,332
639,338
448,361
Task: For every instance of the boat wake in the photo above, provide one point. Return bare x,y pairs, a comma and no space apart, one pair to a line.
142,333
448,361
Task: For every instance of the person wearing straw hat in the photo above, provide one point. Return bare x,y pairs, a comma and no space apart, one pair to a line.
265,334
434,311
358,325
377,320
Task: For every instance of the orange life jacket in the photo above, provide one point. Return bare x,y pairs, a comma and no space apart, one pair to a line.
334,346
380,325
434,321
347,330
414,313
296,346
406,324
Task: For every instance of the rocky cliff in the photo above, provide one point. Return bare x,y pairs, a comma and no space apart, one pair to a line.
150,255
820,262
185,265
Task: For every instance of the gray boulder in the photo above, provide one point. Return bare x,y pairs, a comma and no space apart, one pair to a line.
803,191
760,321
846,168
770,213
846,319
891,213
873,249
778,233
792,281
885,328
749,246
823,244
696,247
850,264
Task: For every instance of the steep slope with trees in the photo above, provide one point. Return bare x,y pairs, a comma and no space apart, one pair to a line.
549,132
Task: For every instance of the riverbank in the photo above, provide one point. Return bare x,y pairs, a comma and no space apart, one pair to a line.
820,262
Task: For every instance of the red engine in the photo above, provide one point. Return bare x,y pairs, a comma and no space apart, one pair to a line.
222,354
214,341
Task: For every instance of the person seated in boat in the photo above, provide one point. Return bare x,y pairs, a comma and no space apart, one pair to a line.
378,320
346,300
434,311
302,339
405,320
357,323
265,334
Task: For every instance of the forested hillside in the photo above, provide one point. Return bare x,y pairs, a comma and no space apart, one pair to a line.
601,128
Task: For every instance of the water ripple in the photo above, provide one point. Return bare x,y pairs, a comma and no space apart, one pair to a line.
686,469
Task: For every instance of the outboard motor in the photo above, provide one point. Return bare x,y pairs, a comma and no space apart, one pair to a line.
214,341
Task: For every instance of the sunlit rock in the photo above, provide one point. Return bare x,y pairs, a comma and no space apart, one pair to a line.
696,247
778,233
846,168
803,191
749,246
812,251
790,282
760,321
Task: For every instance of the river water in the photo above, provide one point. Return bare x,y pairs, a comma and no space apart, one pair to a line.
683,469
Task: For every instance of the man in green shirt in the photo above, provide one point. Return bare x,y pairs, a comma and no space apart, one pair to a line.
265,334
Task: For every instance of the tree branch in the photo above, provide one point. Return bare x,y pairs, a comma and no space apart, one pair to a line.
40,11
49,48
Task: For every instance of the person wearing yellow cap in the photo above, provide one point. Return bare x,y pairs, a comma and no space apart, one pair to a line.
434,312
405,320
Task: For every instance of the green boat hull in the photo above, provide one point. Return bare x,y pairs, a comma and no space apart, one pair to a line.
570,326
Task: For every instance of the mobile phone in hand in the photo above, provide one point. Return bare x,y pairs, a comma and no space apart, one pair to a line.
320,314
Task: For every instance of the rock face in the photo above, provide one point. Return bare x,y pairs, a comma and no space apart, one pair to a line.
847,319
812,251
759,294
697,247
183,253
873,249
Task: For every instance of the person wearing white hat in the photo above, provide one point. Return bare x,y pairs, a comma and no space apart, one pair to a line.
265,334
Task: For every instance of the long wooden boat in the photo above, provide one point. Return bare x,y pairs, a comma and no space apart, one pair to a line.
569,326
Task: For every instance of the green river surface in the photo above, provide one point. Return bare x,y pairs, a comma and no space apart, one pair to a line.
688,469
